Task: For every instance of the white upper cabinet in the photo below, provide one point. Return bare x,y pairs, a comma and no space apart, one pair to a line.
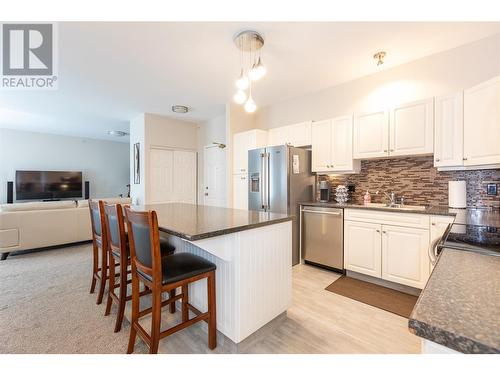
482,123
448,130
411,128
278,136
321,146
332,146
242,142
300,134
371,135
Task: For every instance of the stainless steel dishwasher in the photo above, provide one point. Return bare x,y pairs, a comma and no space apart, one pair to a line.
323,236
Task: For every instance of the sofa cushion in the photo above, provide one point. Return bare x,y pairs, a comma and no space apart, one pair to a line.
36,206
9,237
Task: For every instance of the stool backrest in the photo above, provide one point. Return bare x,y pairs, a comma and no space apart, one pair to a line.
115,225
99,234
144,242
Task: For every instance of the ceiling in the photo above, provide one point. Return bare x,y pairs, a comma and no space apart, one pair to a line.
111,72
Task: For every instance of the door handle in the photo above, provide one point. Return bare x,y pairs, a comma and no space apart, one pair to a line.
266,161
261,183
432,250
323,212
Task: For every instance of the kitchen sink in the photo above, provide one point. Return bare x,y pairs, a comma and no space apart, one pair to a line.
397,206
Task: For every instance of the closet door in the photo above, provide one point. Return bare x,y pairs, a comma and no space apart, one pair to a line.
184,179
161,173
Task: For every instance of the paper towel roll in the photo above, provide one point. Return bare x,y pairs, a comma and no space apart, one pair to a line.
457,194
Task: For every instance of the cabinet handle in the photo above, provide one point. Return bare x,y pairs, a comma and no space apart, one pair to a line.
243,170
384,232
385,150
464,158
391,150
438,159
433,223
378,231
243,178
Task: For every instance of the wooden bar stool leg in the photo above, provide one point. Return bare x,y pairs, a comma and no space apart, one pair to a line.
172,294
135,314
104,275
95,263
155,322
111,284
185,301
123,296
212,319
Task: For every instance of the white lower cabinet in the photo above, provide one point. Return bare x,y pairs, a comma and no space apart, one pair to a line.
404,255
396,253
363,248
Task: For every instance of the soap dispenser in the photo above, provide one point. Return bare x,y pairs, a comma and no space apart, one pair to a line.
367,198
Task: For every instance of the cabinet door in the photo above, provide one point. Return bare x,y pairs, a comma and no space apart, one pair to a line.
279,136
341,142
299,135
240,191
241,144
362,248
321,146
404,255
411,128
449,130
482,123
371,135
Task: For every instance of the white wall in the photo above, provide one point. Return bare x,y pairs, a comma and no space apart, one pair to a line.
213,130
105,164
152,130
434,75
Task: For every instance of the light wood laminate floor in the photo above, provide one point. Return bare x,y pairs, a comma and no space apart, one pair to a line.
49,310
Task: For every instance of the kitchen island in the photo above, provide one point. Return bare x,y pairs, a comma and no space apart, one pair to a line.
253,254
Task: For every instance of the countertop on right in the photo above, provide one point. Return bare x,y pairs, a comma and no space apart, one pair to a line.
459,307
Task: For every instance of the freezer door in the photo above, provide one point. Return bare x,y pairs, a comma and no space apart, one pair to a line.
277,179
256,171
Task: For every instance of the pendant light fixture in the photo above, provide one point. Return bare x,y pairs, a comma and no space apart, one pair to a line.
250,44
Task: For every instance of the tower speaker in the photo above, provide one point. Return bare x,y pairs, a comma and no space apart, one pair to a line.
10,192
87,190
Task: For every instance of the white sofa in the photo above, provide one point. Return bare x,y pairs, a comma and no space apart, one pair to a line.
33,225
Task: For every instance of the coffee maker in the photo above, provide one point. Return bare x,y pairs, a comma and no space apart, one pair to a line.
324,191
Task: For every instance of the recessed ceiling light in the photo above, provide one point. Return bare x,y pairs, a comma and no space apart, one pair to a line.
180,109
117,133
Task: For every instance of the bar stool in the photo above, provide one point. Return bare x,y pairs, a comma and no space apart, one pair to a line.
119,255
164,274
99,248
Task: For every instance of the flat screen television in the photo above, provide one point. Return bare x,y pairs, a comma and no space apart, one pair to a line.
48,185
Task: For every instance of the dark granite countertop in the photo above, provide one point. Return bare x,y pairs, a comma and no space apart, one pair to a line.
459,307
429,210
195,222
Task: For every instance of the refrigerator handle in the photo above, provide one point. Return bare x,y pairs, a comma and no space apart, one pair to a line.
261,180
268,159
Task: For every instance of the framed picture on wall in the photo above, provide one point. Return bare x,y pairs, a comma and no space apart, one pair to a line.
137,163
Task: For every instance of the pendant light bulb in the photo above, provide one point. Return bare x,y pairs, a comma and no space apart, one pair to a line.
240,97
242,82
250,105
258,71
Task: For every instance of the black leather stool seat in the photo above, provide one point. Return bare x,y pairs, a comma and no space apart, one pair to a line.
165,247
182,266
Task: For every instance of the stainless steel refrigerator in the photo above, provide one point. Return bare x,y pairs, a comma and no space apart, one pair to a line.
279,177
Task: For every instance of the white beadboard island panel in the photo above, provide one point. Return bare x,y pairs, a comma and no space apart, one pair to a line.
253,277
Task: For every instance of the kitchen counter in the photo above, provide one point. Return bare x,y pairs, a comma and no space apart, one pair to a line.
431,210
252,251
459,307
195,222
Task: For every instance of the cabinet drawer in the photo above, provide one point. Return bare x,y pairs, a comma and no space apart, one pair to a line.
388,218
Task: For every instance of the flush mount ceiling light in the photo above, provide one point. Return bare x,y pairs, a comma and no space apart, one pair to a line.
180,109
117,133
379,56
250,44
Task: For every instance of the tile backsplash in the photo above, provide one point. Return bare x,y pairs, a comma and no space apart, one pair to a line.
417,180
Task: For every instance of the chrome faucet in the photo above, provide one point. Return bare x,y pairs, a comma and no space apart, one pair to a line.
391,196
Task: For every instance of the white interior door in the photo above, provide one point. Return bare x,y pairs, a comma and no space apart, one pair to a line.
214,189
161,176
185,172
